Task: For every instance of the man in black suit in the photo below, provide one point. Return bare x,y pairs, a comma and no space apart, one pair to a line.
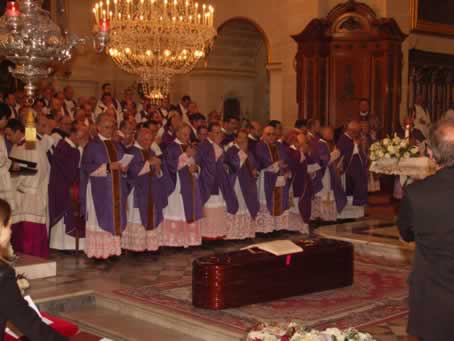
426,217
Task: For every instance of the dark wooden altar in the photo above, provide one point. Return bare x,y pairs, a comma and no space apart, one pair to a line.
344,57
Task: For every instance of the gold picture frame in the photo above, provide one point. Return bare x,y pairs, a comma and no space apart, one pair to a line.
421,25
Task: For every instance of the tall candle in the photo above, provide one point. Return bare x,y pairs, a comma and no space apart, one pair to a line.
407,131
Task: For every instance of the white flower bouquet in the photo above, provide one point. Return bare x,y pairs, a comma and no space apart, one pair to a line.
296,332
393,148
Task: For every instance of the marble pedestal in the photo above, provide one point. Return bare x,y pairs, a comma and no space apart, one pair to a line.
35,267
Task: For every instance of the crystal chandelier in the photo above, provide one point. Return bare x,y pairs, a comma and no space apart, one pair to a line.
154,39
32,41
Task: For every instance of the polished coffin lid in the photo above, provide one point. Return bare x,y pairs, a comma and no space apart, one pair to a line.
238,278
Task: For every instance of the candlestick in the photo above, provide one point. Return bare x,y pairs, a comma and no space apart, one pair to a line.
12,9
104,25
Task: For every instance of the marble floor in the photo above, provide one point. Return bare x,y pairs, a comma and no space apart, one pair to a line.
372,237
77,275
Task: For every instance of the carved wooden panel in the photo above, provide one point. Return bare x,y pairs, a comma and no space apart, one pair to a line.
361,55
431,76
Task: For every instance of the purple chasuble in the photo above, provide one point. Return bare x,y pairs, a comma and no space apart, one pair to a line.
149,189
109,200
355,170
246,179
213,177
64,189
190,190
277,198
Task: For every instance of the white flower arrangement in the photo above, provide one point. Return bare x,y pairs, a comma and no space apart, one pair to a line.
395,148
296,332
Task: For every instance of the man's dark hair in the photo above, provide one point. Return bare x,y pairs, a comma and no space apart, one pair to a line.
51,116
73,129
4,111
124,124
274,123
213,125
300,124
186,98
311,123
441,139
41,100
196,117
15,125
105,85
228,118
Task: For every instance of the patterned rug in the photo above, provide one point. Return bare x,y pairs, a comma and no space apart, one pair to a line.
379,293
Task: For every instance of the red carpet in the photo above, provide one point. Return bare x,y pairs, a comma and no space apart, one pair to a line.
378,294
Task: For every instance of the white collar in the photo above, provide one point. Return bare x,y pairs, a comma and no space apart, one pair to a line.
71,143
212,142
178,141
252,137
293,147
102,138
120,133
322,140
363,114
138,145
346,134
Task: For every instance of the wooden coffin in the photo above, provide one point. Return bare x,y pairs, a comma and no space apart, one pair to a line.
240,278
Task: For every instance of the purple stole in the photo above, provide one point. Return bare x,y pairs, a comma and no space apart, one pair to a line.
109,192
302,184
277,198
190,190
355,170
246,178
64,189
213,177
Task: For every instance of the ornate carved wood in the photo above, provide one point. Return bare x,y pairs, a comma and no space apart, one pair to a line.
432,76
348,55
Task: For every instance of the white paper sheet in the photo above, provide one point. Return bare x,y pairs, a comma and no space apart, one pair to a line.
126,160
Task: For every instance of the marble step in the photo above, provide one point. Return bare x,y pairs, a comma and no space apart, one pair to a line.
121,319
35,267
117,326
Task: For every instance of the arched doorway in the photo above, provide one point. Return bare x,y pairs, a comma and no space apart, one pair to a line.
234,75
241,52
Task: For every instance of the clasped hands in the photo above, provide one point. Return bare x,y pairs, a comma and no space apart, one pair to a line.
118,166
